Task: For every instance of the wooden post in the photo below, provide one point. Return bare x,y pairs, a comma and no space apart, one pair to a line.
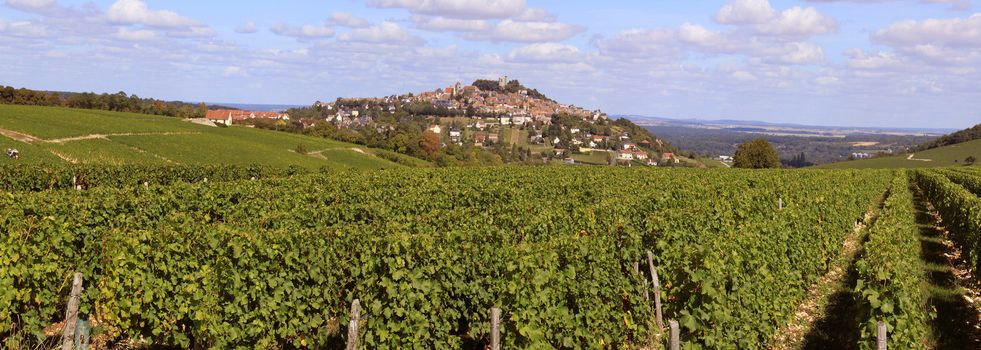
881,335
780,203
352,329
495,329
657,290
675,336
71,316
647,295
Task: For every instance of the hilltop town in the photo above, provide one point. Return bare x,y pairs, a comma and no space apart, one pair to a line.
484,122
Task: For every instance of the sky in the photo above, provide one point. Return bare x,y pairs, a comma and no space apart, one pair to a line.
877,63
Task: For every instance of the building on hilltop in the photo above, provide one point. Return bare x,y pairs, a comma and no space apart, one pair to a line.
503,82
229,116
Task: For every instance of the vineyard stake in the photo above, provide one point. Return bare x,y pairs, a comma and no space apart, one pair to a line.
780,202
657,290
675,335
495,329
71,316
352,330
647,295
881,335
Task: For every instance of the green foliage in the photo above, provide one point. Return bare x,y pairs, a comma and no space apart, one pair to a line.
962,136
113,138
959,208
891,275
756,154
276,263
16,178
300,149
118,102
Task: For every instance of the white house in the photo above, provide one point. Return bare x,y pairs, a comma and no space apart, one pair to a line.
435,128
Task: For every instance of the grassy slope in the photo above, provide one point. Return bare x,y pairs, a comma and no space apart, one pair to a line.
952,155
188,144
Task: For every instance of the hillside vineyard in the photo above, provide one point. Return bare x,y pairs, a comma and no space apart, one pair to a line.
276,263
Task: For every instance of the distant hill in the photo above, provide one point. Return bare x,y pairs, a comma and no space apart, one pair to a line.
63,135
965,135
952,155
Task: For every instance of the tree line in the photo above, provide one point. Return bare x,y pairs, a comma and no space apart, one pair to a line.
118,102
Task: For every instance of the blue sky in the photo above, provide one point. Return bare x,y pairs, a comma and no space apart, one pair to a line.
902,63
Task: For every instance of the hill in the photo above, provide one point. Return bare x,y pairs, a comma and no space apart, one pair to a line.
965,135
63,135
486,123
953,155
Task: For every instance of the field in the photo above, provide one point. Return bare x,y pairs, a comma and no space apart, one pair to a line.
46,135
277,262
594,158
946,156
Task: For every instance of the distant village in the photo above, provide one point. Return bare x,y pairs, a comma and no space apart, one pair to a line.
485,114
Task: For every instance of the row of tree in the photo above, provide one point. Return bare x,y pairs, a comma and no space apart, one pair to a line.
119,102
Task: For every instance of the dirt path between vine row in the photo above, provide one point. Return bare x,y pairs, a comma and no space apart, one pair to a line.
952,291
106,136
19,136
826,297
917,159
26,138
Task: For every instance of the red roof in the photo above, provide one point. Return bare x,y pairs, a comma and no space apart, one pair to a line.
223,114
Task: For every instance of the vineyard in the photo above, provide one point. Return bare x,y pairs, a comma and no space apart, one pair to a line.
265,258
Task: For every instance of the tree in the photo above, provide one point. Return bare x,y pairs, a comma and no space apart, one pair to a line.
429,142
757,154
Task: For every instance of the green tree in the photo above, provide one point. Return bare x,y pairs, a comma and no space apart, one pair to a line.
757,154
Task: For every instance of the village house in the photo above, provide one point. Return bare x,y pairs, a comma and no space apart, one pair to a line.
435,128
625,156
230,116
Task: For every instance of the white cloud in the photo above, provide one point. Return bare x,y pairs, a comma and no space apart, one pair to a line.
798,21
957,5
704,37
449,24
658,43
535,15
234,71
302,32
25,29
193,32
248,27
529,32
859,59
30,5
465,9
954,32
345,19
800,53
137,12
743,75
384,33
135,35
745,12
545,52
